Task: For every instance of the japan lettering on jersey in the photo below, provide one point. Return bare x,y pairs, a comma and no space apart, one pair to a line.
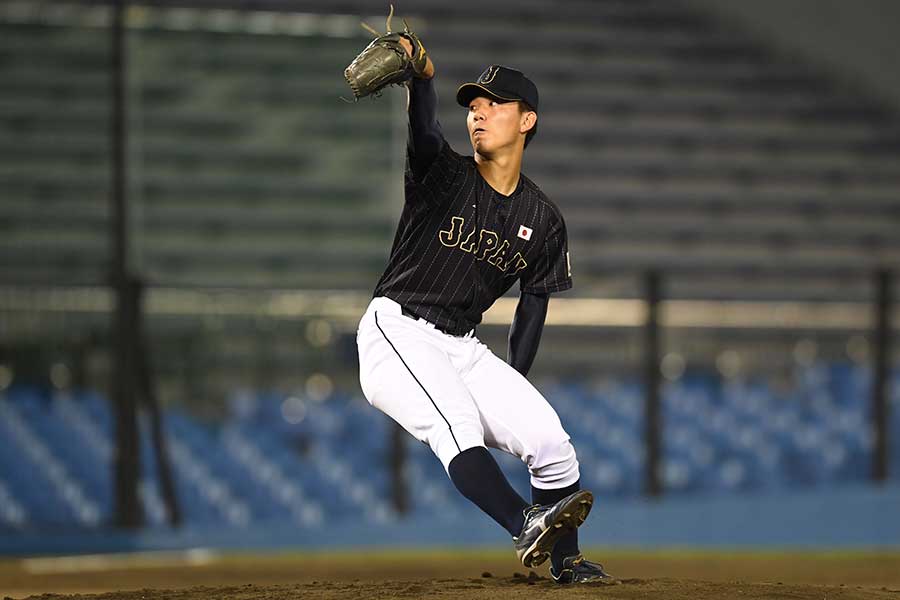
488,246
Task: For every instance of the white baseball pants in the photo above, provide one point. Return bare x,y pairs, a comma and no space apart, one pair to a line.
453,394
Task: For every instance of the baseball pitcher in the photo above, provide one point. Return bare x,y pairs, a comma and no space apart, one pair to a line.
471,227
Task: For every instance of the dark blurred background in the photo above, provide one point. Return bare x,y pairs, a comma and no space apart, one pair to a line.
192,221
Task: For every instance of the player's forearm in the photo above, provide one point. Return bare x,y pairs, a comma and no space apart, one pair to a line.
525,331
425,136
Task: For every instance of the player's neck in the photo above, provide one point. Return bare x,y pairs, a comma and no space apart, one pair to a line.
501,170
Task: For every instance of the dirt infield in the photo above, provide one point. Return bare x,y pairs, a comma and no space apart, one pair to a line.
469,575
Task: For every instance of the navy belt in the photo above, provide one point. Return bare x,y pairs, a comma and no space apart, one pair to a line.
408,313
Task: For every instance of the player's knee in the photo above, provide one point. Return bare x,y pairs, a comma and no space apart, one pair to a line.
554,463
448,442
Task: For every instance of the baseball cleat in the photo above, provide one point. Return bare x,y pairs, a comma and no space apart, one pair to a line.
545,524
576,569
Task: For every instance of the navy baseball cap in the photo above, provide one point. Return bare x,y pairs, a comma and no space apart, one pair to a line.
501,83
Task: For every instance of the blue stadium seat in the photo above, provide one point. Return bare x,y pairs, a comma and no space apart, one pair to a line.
256,467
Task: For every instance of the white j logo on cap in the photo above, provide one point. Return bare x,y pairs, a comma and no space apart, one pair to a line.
488,76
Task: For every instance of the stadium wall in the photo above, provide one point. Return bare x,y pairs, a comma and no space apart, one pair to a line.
856,517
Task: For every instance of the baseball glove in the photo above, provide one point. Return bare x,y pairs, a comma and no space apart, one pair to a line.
385,61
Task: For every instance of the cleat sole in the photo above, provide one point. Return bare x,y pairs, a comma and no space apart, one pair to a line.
572,515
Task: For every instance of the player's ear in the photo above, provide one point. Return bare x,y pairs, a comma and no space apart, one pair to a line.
528,121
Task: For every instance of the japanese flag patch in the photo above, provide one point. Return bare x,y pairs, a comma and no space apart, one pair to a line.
524,232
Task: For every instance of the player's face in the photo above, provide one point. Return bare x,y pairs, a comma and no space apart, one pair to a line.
495,125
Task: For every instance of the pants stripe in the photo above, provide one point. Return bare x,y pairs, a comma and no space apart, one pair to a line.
417,381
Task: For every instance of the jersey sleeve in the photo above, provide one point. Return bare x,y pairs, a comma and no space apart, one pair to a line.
550,272
432,185
425,139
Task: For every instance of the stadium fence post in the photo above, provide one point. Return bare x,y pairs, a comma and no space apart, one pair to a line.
651,384
880,383
126,464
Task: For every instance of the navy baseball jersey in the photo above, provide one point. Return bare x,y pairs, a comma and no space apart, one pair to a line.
460,244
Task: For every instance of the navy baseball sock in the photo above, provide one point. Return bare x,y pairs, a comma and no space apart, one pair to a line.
567,545
478,477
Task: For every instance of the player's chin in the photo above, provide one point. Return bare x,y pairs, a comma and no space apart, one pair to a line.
480,147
